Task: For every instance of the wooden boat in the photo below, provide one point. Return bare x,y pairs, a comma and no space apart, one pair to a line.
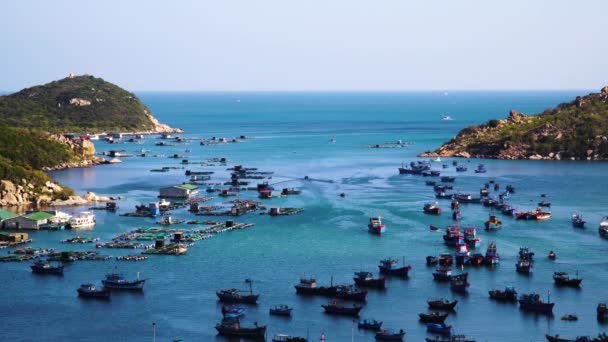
461,168
233,311
334,308
492,257
462,254
538,215
387,335
459,283
231,327
287,338
523,266
433,228
236,296
489,202
470,237
281,310
452,338
448,179
441,304
431,173
533,302
44,267
602,312
556,338
452,235
552,255
563,279
432,209
456,216
493,223
117,281
544,204
442,274
366,279
508,294
603,227
369,324
445,259
375,226
441,329
389,267
476,259
525,253
346,292
443,195
569,317
433,317
466,198
92,291
577,221
431,260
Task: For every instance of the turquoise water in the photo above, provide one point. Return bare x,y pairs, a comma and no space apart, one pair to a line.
291,136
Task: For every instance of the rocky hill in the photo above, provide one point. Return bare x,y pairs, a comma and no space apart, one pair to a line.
79,104
576,130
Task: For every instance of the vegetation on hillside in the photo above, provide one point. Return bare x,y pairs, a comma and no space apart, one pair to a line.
81,103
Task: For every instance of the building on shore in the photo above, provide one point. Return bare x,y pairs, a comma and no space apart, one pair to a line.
179,191
5,215
30,221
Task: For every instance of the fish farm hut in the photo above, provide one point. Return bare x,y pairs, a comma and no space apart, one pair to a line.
179,191
29,221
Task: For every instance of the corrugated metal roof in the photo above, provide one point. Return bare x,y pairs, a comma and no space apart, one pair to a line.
40,215
6,214
187,187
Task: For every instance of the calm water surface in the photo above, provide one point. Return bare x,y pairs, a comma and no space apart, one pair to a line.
291,136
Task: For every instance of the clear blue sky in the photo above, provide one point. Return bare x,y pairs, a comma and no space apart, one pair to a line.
307,44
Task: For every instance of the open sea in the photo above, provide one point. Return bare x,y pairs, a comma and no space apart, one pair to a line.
290,135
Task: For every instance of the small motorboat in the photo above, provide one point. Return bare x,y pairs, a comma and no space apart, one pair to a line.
493,223
433,317
523,266
433,228
334,308
603,228
563,279
441,304
508,294
281,310
366,279
552,255
569,317
388,335
437,328
376,226
369,324
44,267
233,311
442,274
544,204
432,209
577,221
459,283
92,291
448,179
556,338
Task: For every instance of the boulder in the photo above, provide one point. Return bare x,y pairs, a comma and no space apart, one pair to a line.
8,186
515,116
535,157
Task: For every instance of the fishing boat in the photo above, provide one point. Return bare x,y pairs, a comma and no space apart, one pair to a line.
493,223
231,327
462,254
552,255
84,219
533,302
452,235
334,308
117,281
544,204
346,292
577,220
369,324
480,169
556,338
459,283
389,335
432,209
376,226
451,338
569,317
390,267
442,274
233,311
431,260
461,168
443,195
366,279
603,228
236,296
508,294
483,193
492,257
44,267
525,253
448,179
466,198
508,210
437,328
602,312
433,228
280,310
445,259
523,266
563,279
441,304
287,338
476,259
92,291
489,202
433,317
456,216
470,237
538,215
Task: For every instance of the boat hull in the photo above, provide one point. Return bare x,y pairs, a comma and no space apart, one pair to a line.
137,285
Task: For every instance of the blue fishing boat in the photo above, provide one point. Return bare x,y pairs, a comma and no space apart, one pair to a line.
92,291
281,310
577,221
44,267
388,335
233,311
438,328
376,226
461,168
493,223
533,302
117,281
492,257
369,324
462,255
448,179
459,283
390,267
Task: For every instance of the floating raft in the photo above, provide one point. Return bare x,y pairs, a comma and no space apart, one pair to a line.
138,214
17,258
226,226
284,211
170,249
123,245
79,239
132,258
78,256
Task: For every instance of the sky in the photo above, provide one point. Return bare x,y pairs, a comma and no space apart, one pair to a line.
307,45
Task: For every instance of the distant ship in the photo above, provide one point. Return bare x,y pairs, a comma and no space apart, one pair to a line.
446,118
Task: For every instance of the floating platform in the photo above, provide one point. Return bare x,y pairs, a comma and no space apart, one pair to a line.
132,257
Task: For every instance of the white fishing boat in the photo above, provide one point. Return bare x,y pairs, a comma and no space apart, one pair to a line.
84,219
446,118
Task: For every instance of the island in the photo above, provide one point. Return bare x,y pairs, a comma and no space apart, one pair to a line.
576,130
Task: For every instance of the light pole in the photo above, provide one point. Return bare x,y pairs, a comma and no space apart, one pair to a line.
153,331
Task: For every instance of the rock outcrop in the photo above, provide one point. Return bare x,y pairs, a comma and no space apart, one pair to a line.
574,131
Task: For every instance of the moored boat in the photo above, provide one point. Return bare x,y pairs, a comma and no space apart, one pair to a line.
603,227
461,168
556,338
437,328
462,254
236,296
577,221
366,279
84,219
117,281
287,338
492,257
493,223
233,311
231,327
388,335
508,294
441,304
44,267
433,317
459,283
445,259
602,312
432,209
451,338
334,308
466,198
533,302
92,291
448,179
369,324
390,267
280,310
376,226
523,266
442,274
563,279
346,292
